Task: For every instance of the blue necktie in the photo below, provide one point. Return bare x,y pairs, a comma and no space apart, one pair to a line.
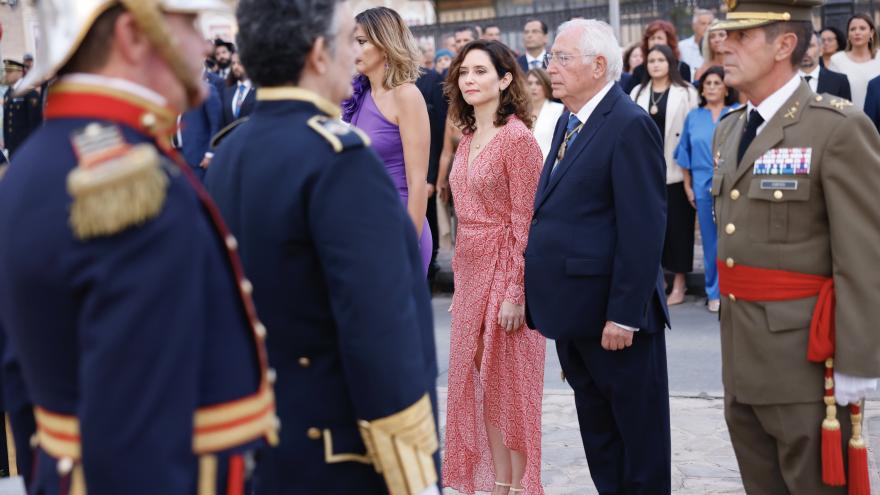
240,93
571,132
534,64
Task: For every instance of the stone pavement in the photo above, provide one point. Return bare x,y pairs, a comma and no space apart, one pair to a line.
702,457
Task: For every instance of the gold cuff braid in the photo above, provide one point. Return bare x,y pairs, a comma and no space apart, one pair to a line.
402,446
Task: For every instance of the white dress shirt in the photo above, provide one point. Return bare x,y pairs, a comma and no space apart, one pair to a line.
768,108
539,59
814,78
691,54
243,86
847,388
584,115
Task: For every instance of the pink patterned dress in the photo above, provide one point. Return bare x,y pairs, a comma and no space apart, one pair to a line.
494,197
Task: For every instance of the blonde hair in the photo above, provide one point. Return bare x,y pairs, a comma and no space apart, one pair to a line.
385,28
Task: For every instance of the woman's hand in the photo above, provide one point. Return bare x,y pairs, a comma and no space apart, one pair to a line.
689,192
511,316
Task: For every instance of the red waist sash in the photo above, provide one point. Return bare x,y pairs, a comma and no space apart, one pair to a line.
765,285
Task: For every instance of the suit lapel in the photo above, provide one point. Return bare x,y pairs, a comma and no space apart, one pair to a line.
588,132
558,136
822,86
774,132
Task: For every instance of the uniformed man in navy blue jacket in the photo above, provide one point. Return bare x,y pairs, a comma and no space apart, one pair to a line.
121,291
335,265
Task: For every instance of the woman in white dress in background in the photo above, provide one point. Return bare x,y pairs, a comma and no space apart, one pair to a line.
545,112
859,61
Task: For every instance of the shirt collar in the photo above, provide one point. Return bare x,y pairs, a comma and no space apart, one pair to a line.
584,113
814,73
280,93
123,85
768,108
539,58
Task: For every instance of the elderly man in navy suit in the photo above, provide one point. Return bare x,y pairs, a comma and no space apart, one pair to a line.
592,267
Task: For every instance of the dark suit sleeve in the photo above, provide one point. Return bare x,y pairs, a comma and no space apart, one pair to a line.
367,252
214,112
140,330
845,90
872,102
34,110
438,112
638,176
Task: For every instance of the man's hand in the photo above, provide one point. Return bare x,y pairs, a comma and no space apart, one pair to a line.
615,337
430,189
206,162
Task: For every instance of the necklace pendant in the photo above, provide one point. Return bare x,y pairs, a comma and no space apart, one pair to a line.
654,109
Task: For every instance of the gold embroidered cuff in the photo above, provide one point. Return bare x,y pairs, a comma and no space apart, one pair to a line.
402,447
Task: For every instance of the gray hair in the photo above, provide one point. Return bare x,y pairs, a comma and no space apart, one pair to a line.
700,13
597,38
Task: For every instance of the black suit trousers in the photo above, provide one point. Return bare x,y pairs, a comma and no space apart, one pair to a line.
622,400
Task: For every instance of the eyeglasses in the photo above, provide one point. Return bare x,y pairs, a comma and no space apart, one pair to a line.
563,58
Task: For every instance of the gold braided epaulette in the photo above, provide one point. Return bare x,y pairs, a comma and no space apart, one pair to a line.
116,185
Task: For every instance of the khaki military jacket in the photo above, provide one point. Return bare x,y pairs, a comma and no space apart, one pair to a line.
813,211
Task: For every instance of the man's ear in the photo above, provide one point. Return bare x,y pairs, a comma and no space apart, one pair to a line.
601,67
130,41
786,44
317,58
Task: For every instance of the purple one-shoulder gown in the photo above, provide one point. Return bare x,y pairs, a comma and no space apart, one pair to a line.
385,137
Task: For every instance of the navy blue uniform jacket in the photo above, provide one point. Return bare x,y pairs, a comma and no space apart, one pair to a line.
124,339
338,280
598,227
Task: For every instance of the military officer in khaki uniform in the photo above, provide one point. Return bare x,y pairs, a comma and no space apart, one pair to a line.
795,187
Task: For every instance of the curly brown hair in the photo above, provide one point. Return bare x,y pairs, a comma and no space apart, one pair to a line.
514,99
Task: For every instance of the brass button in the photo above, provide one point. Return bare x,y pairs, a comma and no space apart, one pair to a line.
231,243
247,287
276,422
271,375
35,441
734,194
730,263
777,194
260,330
314,433
65,466
148,120
732,297
304,362
730,229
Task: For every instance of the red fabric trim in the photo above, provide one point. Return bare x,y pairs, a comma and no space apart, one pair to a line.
237,422
762,285
60,105
235,482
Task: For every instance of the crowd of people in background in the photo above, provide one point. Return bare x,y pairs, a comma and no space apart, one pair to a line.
842,64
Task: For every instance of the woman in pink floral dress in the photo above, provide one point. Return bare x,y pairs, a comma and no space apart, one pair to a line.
496,364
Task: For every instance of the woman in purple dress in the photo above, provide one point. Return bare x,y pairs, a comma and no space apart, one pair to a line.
388,106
